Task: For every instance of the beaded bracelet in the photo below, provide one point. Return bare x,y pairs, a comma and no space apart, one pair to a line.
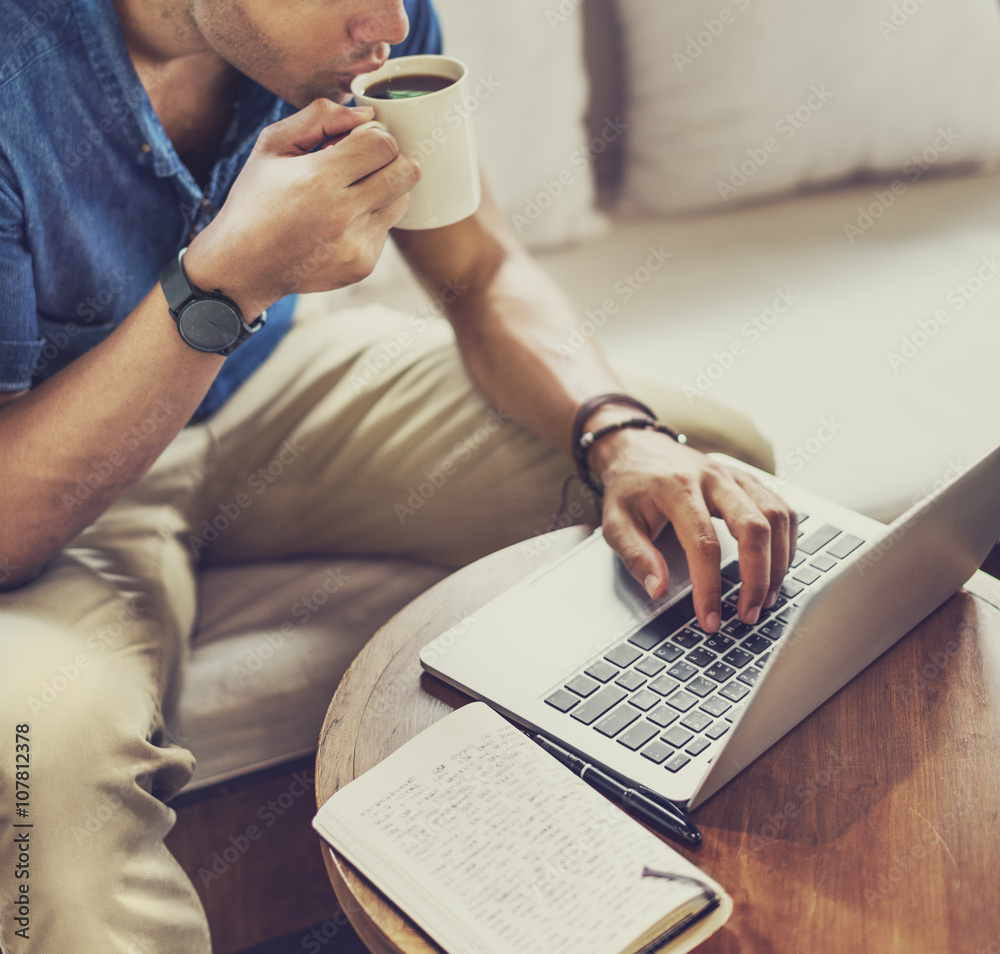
582,442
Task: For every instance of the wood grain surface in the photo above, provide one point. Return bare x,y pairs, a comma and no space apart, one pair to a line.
872,826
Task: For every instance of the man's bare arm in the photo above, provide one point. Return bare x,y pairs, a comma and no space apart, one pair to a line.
332,208
513,326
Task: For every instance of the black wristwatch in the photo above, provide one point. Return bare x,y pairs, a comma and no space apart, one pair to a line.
207,321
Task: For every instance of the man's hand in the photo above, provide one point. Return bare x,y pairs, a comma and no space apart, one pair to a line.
302,219
650,480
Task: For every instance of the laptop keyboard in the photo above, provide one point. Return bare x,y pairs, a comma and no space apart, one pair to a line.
671,690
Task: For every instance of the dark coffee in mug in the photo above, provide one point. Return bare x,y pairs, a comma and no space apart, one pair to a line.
406,87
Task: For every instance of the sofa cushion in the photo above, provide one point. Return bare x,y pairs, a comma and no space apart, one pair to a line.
747,99
273,641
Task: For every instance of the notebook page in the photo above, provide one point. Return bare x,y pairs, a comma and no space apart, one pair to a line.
514,853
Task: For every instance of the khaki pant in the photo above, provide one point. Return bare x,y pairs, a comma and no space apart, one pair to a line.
360,435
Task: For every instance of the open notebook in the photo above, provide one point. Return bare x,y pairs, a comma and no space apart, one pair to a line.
493,847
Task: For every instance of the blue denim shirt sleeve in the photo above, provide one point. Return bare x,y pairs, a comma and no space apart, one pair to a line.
20,344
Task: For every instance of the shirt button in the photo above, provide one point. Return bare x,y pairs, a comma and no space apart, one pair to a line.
146,147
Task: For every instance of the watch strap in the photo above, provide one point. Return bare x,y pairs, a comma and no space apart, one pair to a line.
178,291
176,287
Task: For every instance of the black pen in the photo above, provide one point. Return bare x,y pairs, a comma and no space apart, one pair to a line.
662,815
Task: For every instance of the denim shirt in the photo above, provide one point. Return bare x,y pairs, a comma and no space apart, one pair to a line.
93,197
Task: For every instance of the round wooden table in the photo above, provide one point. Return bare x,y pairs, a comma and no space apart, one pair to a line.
872,826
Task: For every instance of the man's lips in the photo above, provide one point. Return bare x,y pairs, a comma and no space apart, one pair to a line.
344,80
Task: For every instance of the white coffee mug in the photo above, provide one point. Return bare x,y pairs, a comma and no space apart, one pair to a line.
435,129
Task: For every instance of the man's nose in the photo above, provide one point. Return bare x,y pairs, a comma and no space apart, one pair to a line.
386,22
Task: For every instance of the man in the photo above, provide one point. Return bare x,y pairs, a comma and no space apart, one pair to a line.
127,136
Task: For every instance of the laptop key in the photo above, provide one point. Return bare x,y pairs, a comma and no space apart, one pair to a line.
823,562
806,575
682,671
673,617
720,672
623,655
650,666
664,685
696,721
789,590
669,652
662,716
630,680
818,539
644,699
756,644
719,643
617,719
701,687
677,736
772,629
599,703
636,736
658,751
701,657
715,706
799,557
762,662
686,638
583,685
733,691
736,628
677,762
602,671
697,746
749,676
562,700
718,730
735,714
647,638
845,546
682,701
738,658
731,572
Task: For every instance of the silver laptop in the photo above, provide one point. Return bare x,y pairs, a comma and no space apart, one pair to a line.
579,653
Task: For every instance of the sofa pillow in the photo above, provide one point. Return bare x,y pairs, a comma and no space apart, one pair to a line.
736,100
529,95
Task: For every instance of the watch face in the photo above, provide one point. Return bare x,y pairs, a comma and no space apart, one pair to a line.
208,325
